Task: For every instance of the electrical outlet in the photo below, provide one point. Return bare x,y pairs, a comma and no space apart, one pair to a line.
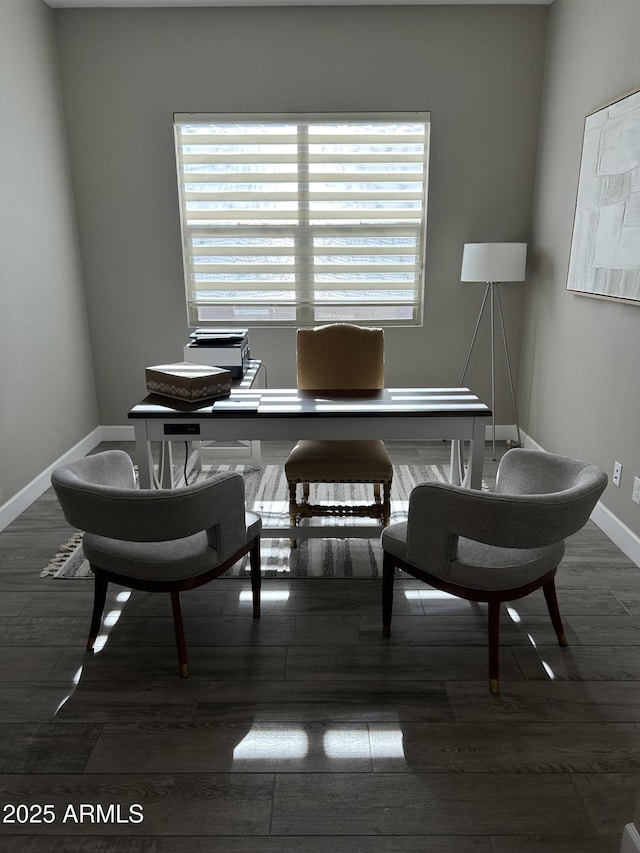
635,495
617,473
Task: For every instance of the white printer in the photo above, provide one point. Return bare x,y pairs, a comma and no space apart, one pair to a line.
227,348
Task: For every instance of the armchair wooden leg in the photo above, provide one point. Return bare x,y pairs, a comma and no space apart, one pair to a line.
256,577
99,598
181,641
388,575
549,590
494,646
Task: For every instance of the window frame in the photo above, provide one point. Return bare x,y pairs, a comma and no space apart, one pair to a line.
305,309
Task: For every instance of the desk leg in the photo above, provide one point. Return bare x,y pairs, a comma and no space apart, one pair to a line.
195,447
456,470
166,465
143,455
473,479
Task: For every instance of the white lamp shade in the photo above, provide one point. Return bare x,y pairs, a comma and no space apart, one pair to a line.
494,262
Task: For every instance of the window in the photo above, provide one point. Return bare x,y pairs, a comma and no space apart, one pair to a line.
303,219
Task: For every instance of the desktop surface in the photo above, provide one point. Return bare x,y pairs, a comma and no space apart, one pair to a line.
289,402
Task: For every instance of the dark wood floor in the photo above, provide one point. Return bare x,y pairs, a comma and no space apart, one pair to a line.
307,732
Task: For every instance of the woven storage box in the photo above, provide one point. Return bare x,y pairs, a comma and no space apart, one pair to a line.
187,381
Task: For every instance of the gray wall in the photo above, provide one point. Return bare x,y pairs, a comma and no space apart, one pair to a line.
580,376
124,72
47,397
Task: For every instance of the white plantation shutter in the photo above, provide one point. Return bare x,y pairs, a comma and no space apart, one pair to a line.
305,219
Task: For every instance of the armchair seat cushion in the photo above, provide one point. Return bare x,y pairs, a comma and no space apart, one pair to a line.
176,559
394,539
480,566
487,567
363,461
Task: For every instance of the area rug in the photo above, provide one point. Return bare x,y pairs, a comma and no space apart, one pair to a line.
266,493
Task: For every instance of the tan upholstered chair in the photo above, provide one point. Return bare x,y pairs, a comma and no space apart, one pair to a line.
157,540
494,546
339,358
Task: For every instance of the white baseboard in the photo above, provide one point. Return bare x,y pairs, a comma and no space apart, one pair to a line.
504,432
117,433
17,504
528,442
616,530
630,840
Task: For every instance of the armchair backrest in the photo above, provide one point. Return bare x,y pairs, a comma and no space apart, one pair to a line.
340,357
533,472
98,494
549,498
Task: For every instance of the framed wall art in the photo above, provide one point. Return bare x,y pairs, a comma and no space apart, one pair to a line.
605,247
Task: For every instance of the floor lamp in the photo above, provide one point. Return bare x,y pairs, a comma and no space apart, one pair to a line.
493,263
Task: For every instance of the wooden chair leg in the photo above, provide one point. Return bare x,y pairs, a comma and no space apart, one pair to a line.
99,598
388,575
256,577
549,590
293,500
494,646
293,510
376,492
181,641
386,505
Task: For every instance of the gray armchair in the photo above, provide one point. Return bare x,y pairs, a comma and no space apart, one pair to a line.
158,540
494,546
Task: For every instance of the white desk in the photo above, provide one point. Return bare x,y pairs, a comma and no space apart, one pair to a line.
395,413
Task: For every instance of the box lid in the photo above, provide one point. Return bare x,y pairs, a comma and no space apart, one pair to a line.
188,370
